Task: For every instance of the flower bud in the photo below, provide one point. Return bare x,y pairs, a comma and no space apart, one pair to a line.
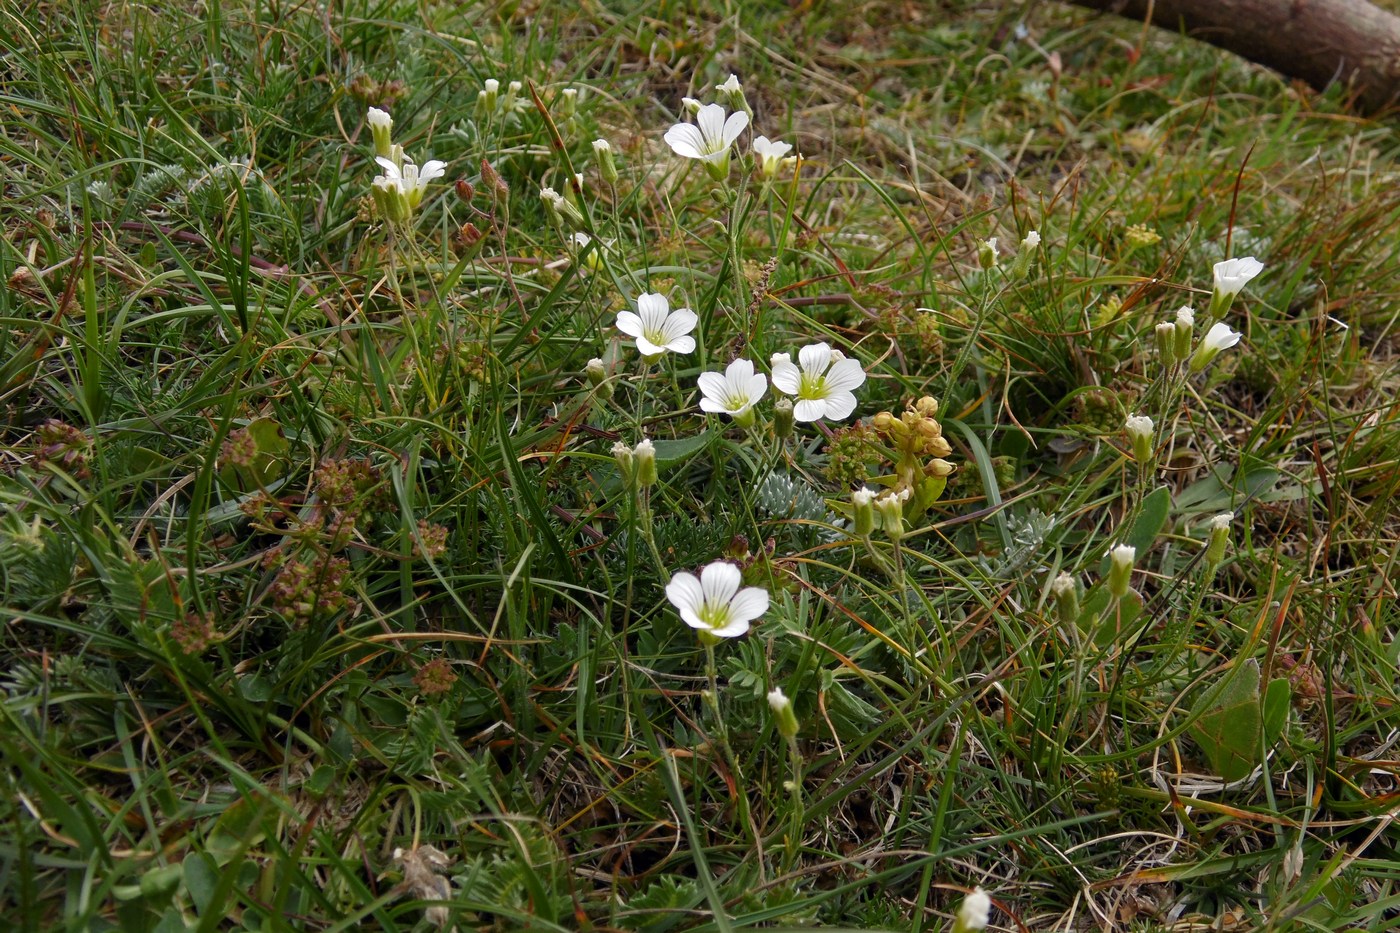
645,454
1140,431
974,913
464,190
511,95
1025,255
597,372
690,105
863,507
606,166
381,128
1166,343
490,93
939,467
1065,592
568,102
626,464
495,185
1218,538
783,715
782,419
1185,323
1120,569
891,509
987,253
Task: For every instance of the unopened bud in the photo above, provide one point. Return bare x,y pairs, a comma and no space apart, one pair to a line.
568,102
974,914
495,185
465,190
490,93
690,105
626,464
784,717
1140,431
1185,323
863,511
1218,538
597,372
1120,569
783,420
1166,343
987,253
606,166
645,454
1065,592
891,509
381,129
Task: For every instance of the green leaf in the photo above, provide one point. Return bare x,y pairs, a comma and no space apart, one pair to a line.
1151,518
201,879
1276,701
676,451
1228,725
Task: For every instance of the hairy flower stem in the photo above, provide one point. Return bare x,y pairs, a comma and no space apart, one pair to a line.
741,798
796,817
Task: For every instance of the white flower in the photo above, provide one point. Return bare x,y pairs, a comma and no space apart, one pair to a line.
975,911
733,393
1222,521
1233,274
1219,337
691,105
601,146
1186,317
1032,240
710,137
412,180
1138,426
552,199
656,327
822,381
492,86
770,155
714,604
730,86
783,713
1123,555
377,119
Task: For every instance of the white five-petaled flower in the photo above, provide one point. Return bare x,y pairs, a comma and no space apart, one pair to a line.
409,178
1233,274
823,380
714,604
771,155
734,392
656,327
710,137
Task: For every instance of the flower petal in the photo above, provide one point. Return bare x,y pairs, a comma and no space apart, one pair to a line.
735,125
720,581
629,323
814,358
647,348
681,321
712,386
786,377
433,168
680,345
685,140
839,405
734,629
684,591
845,375
810,409
749,603
710,121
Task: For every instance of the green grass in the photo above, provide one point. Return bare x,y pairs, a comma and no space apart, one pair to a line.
327,606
